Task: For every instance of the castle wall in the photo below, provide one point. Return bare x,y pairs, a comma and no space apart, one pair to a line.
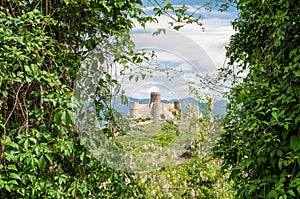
134,109
155,109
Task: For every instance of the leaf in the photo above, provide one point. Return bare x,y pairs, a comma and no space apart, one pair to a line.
82,156
15,176
64,118
273,194
168,6
130,77
295,143
143,76
42,162
274,114
12,167
71,116
124,99
107,76
291,192
297,73
33,140
177,27
159,31
12,144
279,153
50,158
27,69
13,182
9,187
26,144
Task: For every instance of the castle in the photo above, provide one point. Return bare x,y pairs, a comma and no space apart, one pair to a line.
155,109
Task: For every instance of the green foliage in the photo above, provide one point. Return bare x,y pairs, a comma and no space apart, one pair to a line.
164,137
260,145
169,127
140,119
42,44
167,134
198,178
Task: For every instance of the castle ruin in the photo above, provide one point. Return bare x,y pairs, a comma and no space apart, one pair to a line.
155,109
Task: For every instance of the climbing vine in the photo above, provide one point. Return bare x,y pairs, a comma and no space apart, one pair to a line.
261,142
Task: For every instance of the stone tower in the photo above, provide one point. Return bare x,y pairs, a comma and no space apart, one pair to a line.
155,97
155,105
177,105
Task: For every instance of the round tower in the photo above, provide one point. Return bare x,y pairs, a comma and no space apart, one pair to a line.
155,105
155,97
177,105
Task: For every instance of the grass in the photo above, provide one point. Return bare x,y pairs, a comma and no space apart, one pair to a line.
161,141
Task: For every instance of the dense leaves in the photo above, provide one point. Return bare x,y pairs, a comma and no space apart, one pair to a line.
41,46
260,145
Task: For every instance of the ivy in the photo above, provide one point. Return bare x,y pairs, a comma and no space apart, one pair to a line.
260,145
41,48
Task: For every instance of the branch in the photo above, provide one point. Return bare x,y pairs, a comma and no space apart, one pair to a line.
5,11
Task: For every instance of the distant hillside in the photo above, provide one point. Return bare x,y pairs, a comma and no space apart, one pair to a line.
219,106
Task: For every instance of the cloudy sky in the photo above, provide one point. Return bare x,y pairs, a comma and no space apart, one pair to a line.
187,52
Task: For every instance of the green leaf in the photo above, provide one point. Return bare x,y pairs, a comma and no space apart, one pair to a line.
26,144
71,116
27,69
279,153
12,167
274,114
291,192
295,143
33,140
12,144
177,27
64,118
297,73
124,99
13,182
130,77
2,183
15,176
9,187
168,6
42,162
273,194
50,158
82,156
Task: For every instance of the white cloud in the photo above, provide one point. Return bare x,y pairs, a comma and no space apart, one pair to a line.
177,45
190,50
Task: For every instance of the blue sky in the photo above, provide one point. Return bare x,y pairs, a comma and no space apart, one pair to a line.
187,51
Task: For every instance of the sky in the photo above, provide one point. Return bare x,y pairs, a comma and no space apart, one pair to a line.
187,51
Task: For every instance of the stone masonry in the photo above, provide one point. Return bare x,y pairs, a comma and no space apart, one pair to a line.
156,109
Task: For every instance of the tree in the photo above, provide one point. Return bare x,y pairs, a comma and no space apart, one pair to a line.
42,44
261,142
